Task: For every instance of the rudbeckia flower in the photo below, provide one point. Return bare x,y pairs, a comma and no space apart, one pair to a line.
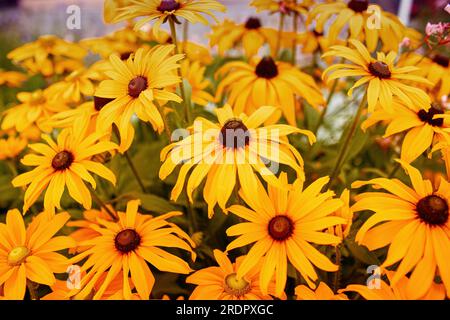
11,147
35,108
322,292
283,6
77,85
229,153
112,7
414,224
282,224
345,212
135,86
30,253
424,128
127,245
265,82
64,163
194,73
251,34
360,19
49,55
221,283
12,79
191,10
383,79
399,291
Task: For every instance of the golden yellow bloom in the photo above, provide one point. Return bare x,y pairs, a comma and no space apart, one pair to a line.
282,224
384,80
345,212
111,9
364,21
416,227
77,85
251,34
35,108
266,82
221,283
191,10
322,292
424,128
196,52
399,291
135,86
12,79
283,6
11,147
30,253
64,163
194,73
234,147
126,246
49,55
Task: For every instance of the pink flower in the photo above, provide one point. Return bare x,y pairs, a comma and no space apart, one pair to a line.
406,42
447,8
435,28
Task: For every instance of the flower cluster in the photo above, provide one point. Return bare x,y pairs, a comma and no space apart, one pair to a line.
232,171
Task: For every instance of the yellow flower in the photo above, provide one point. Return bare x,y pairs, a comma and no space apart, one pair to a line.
49,55
196,52
384,80
127,245
35,108
266,82
282,224
12,79
360,19
112,7
399,291
135,86
251,34
234,147
77,85
64,163
416,227
191,10
322,292
11,147
194,73
221,283
424,128
30,253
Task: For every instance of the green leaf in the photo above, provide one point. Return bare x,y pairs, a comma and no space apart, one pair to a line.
156,204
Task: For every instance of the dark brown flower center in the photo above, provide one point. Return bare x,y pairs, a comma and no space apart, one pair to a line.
126,55
427,116
99,102
266,68
127,240
168,5
358,5
441,60
236,287
62,160
253,23
433,210
317,33
380,69
281,227
136,86
234,134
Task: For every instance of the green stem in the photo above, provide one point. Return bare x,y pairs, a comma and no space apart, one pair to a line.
185,34
324,111
345,143
337,274
394,170
12,167
193,227
32,289
187,108
100,202
280,35
165,121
